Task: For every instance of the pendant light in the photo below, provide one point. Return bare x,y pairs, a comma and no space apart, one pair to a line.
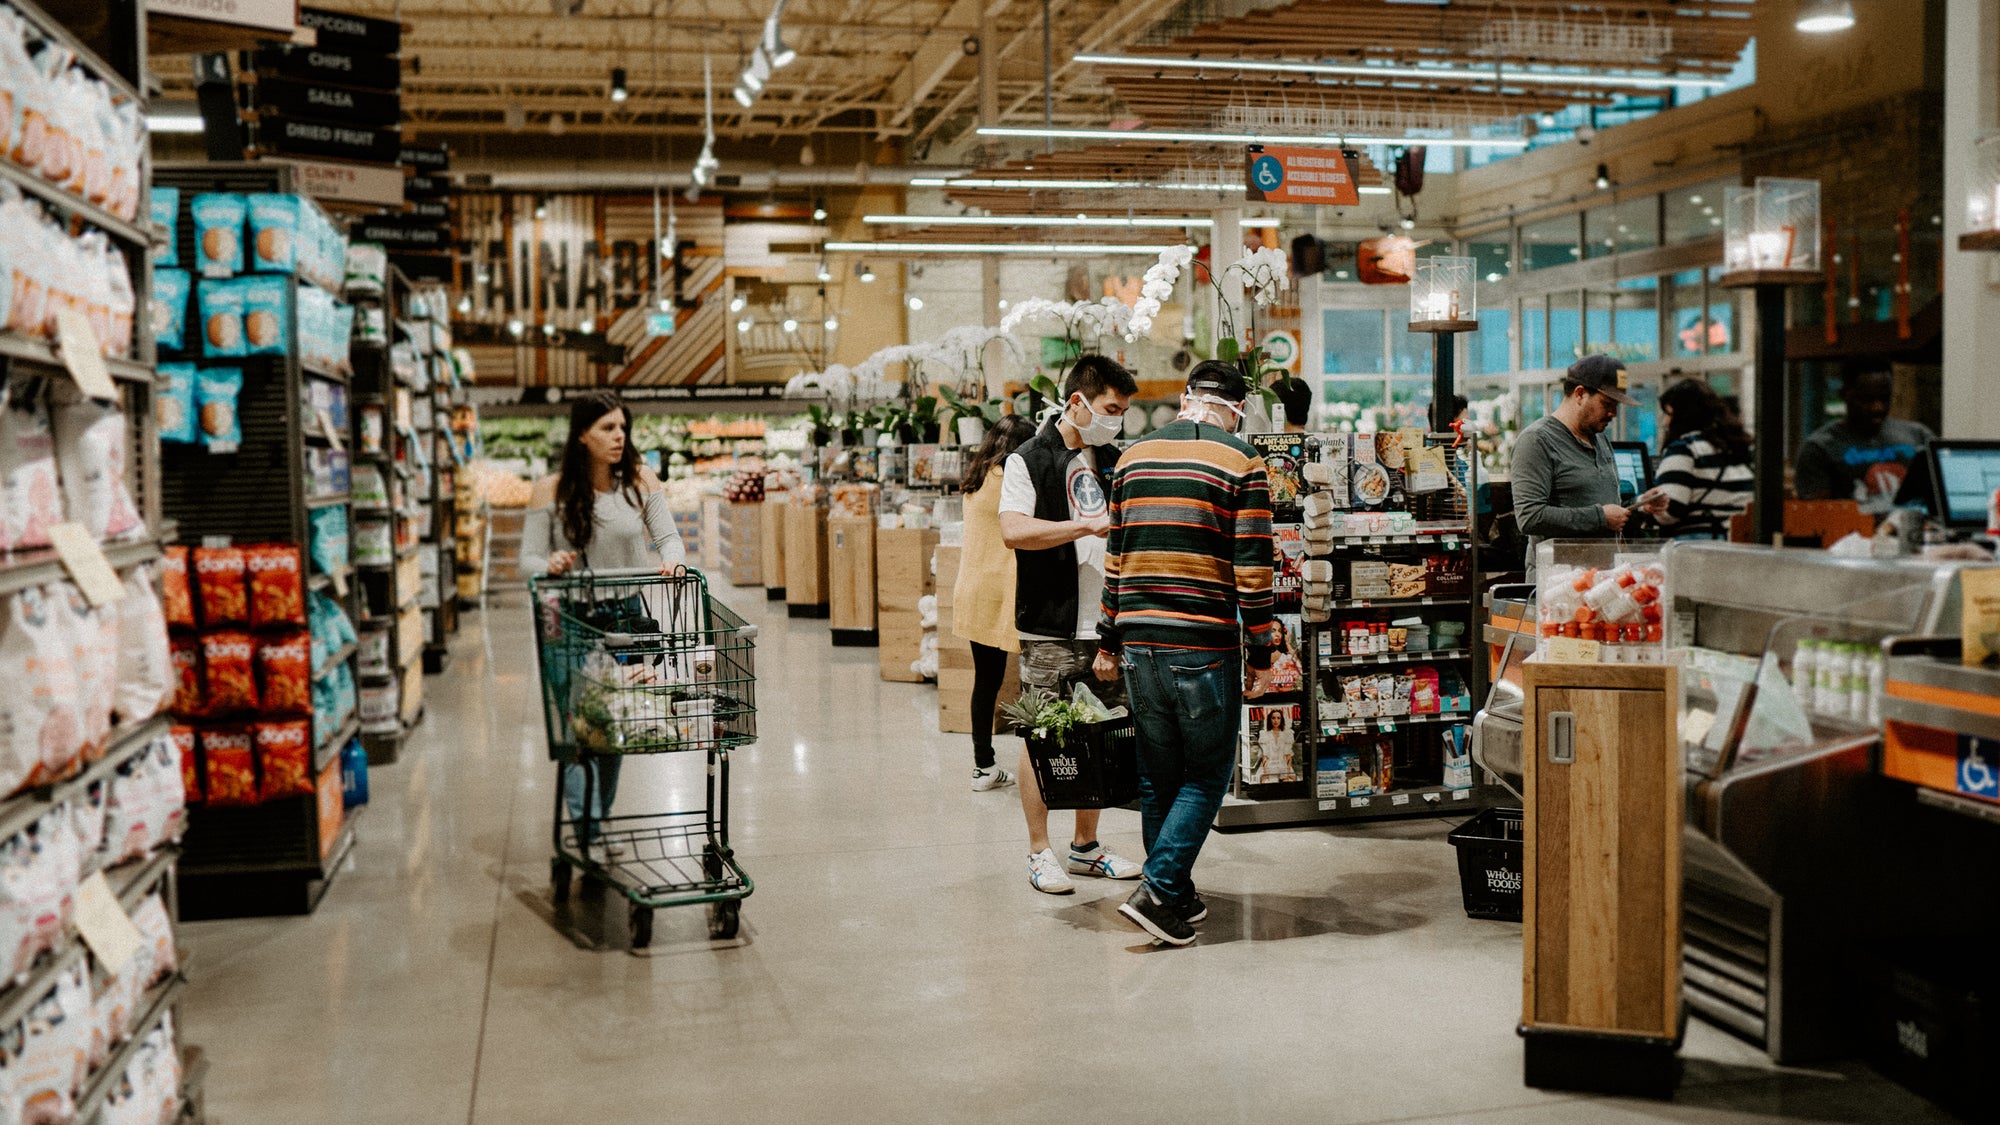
1818,17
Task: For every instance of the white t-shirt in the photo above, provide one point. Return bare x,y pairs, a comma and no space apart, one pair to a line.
1086,501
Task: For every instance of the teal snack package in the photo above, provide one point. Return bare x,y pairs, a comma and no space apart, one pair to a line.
169,308
216,390
166,208
221,318
218,233
274,231
175,404
264,320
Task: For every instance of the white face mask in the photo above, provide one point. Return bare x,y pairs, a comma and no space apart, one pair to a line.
1192,409
1103,429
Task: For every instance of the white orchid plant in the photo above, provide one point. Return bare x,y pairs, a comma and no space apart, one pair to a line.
1266,273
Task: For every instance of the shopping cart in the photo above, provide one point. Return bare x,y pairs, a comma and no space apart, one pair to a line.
636,662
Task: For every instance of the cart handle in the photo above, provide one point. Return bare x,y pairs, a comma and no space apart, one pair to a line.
626,572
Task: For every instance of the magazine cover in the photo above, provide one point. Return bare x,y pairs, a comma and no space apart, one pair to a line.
1288,666
1271,743
1284,459
1288,574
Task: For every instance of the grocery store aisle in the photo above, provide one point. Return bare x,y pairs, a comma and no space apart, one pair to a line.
894,966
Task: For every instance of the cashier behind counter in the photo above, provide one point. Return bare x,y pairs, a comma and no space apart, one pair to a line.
1565,475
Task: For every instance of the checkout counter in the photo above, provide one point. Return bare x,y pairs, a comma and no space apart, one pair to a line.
1804,845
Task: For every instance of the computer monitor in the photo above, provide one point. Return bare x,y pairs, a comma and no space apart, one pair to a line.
1964,475
1635,469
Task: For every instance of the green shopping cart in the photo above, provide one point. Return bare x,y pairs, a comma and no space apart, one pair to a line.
637,662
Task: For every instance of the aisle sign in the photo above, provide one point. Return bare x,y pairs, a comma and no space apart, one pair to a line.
281,16
1278,174
376,144
351,32
329,102
346,183
318,64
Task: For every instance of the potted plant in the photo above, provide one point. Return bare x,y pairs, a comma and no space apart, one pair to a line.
822,424
924,418
850,427
969,419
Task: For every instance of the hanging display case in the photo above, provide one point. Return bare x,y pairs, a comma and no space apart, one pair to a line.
1443,295
1982,196
1771,232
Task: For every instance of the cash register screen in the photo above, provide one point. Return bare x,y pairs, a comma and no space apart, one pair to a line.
1635,473
1966,473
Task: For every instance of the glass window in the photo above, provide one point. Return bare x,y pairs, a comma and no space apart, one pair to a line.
1721,315
1409,404
1634,307
1410,353
1534,402
1631,224
1347,403
1550,242
1696,212
1495,255
1486,352
1642,422
1686,324
1565,328
1534,333
1353,341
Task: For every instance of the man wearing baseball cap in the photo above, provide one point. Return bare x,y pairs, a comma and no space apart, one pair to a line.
1565,481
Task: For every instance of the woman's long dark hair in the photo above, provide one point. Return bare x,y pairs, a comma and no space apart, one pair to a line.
1004,438
576,496
1699,411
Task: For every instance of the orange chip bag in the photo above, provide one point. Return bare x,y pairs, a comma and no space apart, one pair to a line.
176,596
225,598
284,664
187,676
226,663
284,759
277,590
229,776
183,739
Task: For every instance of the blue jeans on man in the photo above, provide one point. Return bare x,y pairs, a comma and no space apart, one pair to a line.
1187,708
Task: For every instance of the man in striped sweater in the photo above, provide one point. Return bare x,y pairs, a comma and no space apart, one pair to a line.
1187,568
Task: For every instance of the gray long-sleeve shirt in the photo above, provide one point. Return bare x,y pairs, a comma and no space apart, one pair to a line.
1561,485
624,536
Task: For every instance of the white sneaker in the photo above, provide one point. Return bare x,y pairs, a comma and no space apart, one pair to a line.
992,777
605,853
1103,865
1046,875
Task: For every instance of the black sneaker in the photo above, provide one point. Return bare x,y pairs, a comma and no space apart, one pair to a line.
1156,917
1194,909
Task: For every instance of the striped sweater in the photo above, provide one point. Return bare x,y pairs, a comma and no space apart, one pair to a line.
1190,551
1704,487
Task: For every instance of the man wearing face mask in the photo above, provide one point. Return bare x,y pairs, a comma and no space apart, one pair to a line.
1187,575
1054,516
1565,481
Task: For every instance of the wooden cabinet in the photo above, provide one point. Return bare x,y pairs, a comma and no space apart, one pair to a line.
1601,985
805,561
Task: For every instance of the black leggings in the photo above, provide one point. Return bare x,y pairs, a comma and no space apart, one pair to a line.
989,670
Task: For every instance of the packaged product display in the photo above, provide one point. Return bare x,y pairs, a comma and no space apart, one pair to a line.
218,233
174,407
1617,609
216,390
169,308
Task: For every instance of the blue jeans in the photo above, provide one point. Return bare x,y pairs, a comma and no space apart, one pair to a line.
604,789
1187,706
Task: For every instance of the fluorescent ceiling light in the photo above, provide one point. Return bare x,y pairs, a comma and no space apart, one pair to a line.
1817,17
1057,221
163,123
1088,185
1248,138
1046,249
1436,73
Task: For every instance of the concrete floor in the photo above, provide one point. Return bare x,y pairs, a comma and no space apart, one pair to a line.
894,964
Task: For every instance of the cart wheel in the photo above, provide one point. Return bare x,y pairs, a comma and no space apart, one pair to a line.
559,875
723,919
642,927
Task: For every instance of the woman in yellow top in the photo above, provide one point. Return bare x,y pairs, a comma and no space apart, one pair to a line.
983,601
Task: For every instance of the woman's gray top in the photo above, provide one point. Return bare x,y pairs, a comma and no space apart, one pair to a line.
624,535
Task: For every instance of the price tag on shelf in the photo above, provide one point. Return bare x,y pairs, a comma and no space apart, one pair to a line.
1388,726
330,431
86,564
104,926
1399,799
1328,806
339,582
1569,650
1358,802
1461,794
82,355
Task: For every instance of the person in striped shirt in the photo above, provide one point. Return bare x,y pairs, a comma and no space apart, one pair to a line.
1187,571
1704,469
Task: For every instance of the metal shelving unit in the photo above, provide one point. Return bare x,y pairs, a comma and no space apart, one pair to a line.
275,858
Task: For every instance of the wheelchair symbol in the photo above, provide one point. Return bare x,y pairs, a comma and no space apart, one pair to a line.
1267,173
1977,774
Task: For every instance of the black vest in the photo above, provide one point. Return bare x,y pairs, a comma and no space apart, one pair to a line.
1045,581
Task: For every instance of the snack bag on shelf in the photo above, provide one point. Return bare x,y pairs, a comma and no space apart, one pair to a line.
181,745
90,459
229,776
221,576
284,664
221,307
30,492
145,669
216,391
277,588
284,759
218,233
227,680
174,406
329,538
165,206
93,637
176,595
87,815
169,793
169,308
40,723
265,320
274,231
185,652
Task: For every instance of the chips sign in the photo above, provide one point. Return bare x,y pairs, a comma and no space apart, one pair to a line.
1302,175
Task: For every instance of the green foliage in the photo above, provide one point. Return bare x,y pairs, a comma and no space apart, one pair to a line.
1045,716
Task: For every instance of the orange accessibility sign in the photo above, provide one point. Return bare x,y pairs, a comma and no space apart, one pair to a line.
1303,175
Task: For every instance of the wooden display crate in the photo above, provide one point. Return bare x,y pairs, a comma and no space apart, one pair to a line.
806,574
851,581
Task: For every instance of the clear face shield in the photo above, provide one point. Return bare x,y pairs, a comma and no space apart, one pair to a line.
1205,407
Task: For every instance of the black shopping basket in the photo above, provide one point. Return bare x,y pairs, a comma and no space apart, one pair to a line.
1490,864
1095,767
